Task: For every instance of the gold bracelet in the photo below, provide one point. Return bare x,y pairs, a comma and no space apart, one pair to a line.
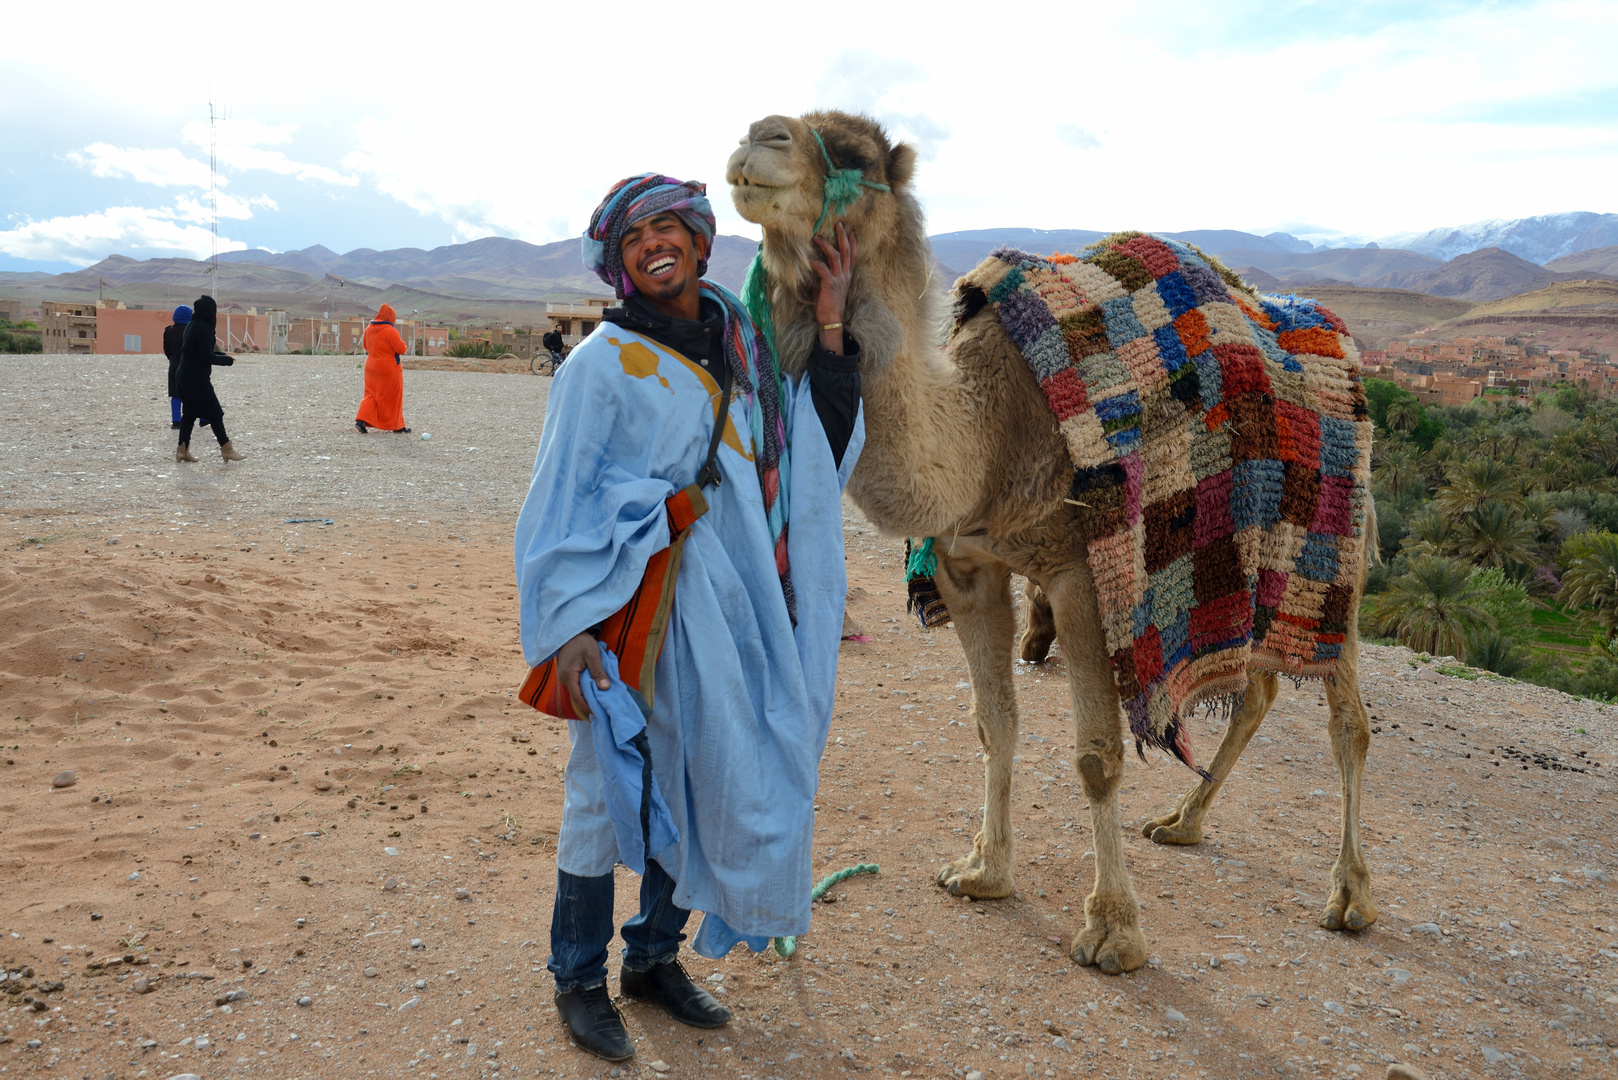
831,326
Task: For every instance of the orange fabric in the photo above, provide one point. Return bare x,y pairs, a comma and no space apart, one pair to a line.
634,633
383,406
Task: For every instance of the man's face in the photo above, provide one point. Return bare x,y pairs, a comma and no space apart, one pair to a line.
660,256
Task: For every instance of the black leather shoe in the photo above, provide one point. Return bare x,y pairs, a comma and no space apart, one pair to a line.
594,1024
669,986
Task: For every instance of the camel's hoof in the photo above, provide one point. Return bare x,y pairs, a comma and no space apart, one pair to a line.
1347,911
1114,950
970,877
1171,830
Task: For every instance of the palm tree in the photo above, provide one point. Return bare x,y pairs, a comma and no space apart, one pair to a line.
1475,484
1433,607
1400,471
1496,652
1430,533
1592,581
1498,535
1404,414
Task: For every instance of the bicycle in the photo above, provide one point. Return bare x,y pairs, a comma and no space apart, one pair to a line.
546,364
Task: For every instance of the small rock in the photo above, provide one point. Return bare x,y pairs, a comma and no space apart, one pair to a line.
1591,874
1493,1056
322,785
64,779
371,973
390,851
33,1044
1174,1016
111,540
1060,1043
390,884
615,1072
133,877
717,977
417,943
1427,674
1426,928
658,1066
411,1004
463,894
1335,1008
306,1001
300,923
848,1055
974,1075
141,986
95,916
203,1042
254,835
1399,976
79,657
421,984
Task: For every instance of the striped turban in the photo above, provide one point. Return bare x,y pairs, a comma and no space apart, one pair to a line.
637,199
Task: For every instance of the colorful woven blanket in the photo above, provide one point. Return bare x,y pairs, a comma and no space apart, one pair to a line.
1221,446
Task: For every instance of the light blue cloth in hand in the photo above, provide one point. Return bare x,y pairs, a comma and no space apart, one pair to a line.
616,725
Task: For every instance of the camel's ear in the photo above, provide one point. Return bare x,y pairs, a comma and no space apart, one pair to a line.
901,164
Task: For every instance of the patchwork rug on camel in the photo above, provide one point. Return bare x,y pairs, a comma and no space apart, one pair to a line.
1220,442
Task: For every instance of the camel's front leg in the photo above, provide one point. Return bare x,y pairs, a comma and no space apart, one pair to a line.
1350,906
977,589
1036,641
1111,938
1183,825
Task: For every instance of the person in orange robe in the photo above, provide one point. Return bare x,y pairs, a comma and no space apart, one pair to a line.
383,406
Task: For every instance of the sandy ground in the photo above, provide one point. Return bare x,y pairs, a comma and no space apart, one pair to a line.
301,778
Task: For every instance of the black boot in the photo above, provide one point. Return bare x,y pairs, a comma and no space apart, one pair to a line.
594,1023
669,986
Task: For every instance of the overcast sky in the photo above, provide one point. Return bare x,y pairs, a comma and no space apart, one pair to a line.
415,125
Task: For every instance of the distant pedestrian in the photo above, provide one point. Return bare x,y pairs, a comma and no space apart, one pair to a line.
172,336
383,406
553,345
198,357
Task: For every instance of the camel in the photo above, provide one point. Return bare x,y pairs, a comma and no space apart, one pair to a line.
962,447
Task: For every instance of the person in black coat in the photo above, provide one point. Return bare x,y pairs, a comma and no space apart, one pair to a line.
172,336
198,357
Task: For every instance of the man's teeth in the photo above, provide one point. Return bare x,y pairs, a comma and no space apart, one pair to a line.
657,266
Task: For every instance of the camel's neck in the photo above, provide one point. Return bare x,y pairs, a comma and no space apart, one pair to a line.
909,481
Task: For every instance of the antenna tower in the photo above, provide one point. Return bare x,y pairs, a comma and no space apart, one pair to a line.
213,185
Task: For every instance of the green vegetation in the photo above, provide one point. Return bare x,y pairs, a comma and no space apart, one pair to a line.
475,350
1498,524
20,337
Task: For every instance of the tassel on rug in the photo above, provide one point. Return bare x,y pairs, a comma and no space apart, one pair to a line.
924,602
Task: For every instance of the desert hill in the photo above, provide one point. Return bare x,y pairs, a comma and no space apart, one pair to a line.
1595,261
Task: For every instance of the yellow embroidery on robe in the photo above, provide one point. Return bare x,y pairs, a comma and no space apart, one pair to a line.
639,361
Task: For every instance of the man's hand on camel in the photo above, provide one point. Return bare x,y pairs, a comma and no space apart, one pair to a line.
580,652
836,275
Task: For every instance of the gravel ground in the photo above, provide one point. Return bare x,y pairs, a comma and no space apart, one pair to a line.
90,435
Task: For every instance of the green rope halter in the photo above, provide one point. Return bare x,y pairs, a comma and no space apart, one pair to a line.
842,186
786,946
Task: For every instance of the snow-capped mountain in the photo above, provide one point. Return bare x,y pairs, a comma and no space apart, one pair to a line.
1537,239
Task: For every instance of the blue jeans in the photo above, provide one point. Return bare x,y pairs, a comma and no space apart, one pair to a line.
174,409
581,927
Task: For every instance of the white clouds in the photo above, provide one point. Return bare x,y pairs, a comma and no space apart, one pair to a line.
83,239
166,167
1078,138
240,143
230,207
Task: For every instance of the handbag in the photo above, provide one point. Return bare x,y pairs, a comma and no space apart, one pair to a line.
635,632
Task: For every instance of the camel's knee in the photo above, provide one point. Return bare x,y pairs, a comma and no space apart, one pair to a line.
1350,728
1099,776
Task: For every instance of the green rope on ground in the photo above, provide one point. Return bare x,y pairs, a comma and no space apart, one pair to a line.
786,946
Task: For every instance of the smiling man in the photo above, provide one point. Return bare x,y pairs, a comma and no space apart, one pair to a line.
676,461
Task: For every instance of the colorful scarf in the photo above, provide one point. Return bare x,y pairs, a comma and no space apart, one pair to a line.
1219,447
747,350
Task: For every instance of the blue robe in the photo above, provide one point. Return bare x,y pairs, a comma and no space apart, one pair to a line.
743,698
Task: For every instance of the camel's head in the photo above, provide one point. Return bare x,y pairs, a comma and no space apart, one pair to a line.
778,176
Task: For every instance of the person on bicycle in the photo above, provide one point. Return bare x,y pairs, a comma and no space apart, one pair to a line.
552,340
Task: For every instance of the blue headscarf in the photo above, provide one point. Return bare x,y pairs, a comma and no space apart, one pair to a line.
636,199
182,315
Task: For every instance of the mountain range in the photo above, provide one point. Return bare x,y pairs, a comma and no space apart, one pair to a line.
501,278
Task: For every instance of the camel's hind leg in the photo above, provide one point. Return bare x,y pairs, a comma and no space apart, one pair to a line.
1183,824
977,589
1035,644
1351,906
1111,938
